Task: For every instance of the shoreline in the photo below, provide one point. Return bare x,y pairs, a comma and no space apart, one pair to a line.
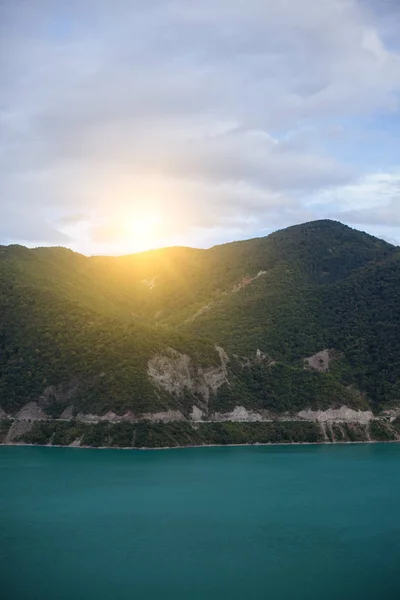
257,444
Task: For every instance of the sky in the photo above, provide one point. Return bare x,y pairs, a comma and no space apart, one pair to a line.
131,124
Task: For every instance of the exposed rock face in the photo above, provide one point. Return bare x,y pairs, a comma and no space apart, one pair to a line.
223,355
24,421
167,416
87,418
3,414
260,356
129,416
239,414
111,417
196,414
164,417
76,443
319,362
247,281
31,412
67,413
337,415
17,429
175,373
392,414
201,311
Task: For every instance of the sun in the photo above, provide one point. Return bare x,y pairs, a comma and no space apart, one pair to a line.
143,231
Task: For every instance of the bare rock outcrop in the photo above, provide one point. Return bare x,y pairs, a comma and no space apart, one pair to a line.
247,280
344,414
68,413
196,414
3,414
167,416
110,417
260,356
76,443
319,362
202,311
176,373
130,417
87,418
17,429
392,414
238,414
31,412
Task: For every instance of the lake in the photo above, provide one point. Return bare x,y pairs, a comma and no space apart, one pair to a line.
275,522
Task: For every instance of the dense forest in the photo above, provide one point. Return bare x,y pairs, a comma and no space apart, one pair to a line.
170,435
82,331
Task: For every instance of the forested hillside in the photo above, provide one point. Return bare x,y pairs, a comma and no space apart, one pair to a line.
188,330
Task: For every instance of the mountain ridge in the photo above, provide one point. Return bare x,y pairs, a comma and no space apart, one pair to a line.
204,333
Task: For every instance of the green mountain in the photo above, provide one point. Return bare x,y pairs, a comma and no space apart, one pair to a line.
305,319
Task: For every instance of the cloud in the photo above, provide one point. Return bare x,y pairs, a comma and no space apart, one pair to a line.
387,215
213,115
371,202
28,227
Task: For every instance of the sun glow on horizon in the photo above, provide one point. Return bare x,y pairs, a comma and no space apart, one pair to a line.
143,232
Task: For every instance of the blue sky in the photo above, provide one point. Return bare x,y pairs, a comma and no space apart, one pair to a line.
131,124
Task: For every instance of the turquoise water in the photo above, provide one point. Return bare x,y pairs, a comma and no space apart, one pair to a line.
288,522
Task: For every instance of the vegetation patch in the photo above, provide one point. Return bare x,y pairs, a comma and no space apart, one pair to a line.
82,331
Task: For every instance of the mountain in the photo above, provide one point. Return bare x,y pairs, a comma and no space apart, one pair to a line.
293,336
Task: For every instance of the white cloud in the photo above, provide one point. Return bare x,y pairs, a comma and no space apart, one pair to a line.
212,114
372,202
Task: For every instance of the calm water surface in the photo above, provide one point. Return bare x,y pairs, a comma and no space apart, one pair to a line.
310,522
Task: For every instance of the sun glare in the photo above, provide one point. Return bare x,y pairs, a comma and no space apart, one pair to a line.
143,232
